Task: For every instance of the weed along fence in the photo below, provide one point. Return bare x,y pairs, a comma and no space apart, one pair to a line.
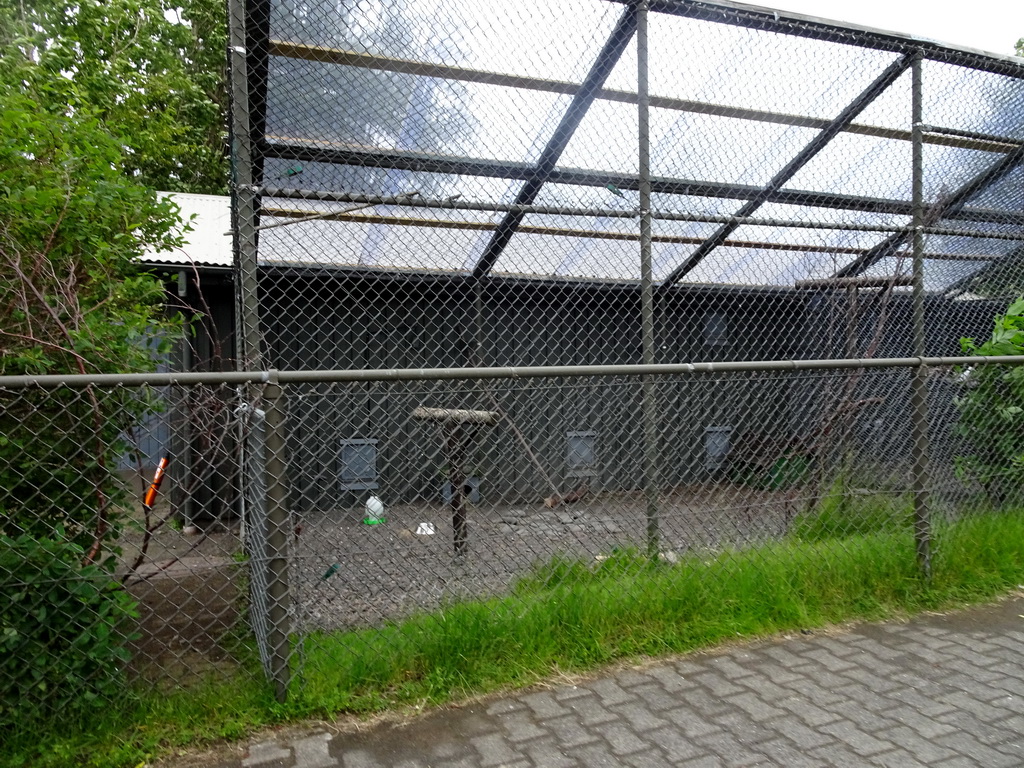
558,331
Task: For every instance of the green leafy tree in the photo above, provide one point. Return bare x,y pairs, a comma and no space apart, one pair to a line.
153,71
73,224
992,411
72,300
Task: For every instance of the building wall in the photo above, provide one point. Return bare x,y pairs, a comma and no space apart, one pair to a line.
355,322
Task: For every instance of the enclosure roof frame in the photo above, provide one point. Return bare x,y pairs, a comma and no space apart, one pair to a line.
544,170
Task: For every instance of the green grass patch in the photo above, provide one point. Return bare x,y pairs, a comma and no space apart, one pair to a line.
570,616
842,513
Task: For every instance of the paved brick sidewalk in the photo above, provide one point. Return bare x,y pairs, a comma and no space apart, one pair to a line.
942,691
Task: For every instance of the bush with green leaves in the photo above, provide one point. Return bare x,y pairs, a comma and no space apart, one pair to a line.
73,299
61,631
992,412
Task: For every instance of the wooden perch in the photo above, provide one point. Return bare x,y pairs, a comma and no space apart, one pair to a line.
454,415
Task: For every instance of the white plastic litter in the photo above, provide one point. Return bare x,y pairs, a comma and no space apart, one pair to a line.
425,529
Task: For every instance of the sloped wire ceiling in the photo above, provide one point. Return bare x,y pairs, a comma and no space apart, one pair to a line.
500,138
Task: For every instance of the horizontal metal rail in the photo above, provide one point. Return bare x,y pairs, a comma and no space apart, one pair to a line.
300,216
322,151
506,372
294,50
457,204
817,28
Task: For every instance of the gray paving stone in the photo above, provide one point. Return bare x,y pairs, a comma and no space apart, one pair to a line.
547,753
898,758
756,707
655,697
610,691
796,731
968,745
708,761
779,751
651,758
717,683
493,750
359,758
638,715
941,691
544,705
776,673
926,750
763,687
312,751
733,668
591,711
267,754
670,678
729,750
811,712
856,739
691,722
622,739
570,732
519,726
570,692
827,658
596,756
675,745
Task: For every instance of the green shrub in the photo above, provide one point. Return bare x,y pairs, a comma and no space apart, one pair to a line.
992,412
61,632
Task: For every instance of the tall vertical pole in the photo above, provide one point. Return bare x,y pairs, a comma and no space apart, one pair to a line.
919,395
247,324
279,599
650,406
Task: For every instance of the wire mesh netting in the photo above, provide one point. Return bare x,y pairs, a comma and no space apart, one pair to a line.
485,146
393,501
442,211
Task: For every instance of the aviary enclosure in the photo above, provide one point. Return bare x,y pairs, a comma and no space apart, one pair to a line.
521,226
522,282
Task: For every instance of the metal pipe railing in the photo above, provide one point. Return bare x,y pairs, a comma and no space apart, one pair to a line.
501,372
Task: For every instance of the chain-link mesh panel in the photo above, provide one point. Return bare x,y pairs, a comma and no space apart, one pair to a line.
426,184
370,503
432,185
439,492
122,560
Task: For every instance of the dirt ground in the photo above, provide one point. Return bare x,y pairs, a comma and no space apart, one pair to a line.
191,588
190,594
386,571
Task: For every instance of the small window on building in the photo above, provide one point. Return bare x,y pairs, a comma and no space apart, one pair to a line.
581,453
716,329
358,461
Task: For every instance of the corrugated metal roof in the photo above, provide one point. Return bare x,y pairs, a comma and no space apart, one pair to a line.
209,241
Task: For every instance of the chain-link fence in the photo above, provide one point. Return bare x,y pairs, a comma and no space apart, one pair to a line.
428,193
373,498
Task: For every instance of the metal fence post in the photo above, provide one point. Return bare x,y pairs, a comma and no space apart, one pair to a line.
279,597
650,406
919,396
245,210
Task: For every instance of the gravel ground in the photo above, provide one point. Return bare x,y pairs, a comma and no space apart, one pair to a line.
387,571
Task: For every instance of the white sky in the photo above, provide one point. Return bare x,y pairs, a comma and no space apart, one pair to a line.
991,25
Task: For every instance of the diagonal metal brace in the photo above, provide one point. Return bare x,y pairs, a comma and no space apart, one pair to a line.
588,91
942,209
818,143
